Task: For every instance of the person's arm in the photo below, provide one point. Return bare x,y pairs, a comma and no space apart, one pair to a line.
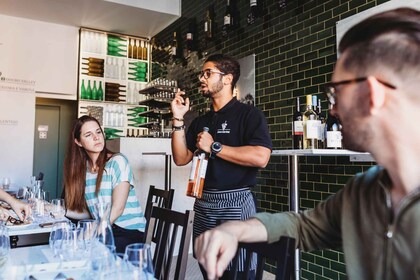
180,152
215,248
22,210
119,199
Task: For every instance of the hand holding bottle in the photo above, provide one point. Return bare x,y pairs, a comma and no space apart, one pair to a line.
204,141
180,105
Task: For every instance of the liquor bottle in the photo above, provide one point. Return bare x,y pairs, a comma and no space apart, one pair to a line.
321,129
90,70
137,75
130,47
138,120
333,132
253,14
144,50
138,69
117,44
189,38
174,46
135,49
137,109
93,65
198,172
113,85
297,127
227,20
310,126
208,24
88,91
138,64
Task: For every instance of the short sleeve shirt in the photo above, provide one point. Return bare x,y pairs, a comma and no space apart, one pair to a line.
117,170
236,124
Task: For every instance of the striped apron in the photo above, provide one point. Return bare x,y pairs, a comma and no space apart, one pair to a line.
216,207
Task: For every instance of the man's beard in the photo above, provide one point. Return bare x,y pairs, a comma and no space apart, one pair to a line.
216,88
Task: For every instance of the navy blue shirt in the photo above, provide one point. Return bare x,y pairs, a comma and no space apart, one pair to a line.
235,125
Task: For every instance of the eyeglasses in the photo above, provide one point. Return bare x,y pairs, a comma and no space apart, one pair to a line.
207,73
331,88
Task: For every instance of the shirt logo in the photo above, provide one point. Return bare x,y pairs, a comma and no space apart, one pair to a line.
223,130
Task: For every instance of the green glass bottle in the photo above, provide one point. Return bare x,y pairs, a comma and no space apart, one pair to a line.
140,64
100,91
138,120
83,90
138,69
88,91
94,91
137,109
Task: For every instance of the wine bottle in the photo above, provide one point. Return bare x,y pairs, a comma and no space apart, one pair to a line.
138,64
137,79
88,91
138,69
83,90
333,132
144,49
94,60
321,128
174,46
198,172
189,38
253,14
135,49
139,75
310,126
137,109
113,85
115,38
297,128
227,20
138,120
89,70
100,91
93,65
112,131
130,47
208,24
94,91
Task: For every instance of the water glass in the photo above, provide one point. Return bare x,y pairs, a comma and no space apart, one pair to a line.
57,234
140,257
58,208
6,183
87,233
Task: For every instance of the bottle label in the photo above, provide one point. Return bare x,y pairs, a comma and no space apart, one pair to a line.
206,28
226,20
298,128
312,129
174,50
193,167
189,36
321,131
203,168
253,2
334,139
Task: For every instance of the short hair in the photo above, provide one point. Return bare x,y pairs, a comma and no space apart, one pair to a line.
227,65
386,41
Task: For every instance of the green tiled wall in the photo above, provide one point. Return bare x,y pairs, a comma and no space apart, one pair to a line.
295,50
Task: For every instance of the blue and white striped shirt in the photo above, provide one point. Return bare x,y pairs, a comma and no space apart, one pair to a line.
117,170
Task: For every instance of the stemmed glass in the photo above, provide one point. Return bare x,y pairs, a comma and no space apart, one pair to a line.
57,235
87,234
4,247
58,208
140,257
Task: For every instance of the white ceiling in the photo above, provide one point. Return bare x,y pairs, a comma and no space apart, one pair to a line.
107,15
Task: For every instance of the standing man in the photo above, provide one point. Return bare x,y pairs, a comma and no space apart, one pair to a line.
375,217
238,142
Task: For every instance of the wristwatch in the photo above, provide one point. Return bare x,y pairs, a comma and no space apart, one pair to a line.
216,147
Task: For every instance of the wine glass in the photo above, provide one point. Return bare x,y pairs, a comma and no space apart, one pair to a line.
6,183
140,257
58,208
58,230
87,233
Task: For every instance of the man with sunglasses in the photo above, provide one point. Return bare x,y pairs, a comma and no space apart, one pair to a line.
375,217
238,142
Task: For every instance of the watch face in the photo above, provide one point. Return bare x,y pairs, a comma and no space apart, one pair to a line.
216,146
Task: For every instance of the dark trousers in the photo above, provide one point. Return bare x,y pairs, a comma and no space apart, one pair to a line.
124,237
226,275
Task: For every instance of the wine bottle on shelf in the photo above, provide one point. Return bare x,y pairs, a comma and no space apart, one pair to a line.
113,85
112,49
208,24
139,51
253,14
227,19
138,120
189,38
130,48
94,91
100,91
117,44
297,127
93,70
137,109
93,65
138,64
321,128
94,60
310,126
137,79
88,91
333,132
83,90
135,47
144,50
137,75
138,69
198,172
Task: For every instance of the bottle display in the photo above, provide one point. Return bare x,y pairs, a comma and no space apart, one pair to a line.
189,45
333,132
321,128
310,126
208,24
198,172
297,127
174,46
227,19
112,70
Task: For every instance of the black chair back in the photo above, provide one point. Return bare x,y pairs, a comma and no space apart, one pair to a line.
163,228
282,252
158,197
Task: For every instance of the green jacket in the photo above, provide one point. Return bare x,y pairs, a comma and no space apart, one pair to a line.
377,244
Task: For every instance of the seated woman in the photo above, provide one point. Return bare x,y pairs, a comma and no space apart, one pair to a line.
93,173
22,210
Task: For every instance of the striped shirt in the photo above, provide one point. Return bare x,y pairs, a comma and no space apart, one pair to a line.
117,170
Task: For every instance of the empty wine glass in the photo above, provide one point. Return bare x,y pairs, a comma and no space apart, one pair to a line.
140,257
87,233
58,230
58,208
6,183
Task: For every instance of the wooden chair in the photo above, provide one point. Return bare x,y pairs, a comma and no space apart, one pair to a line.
282,252
163,228
158,197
